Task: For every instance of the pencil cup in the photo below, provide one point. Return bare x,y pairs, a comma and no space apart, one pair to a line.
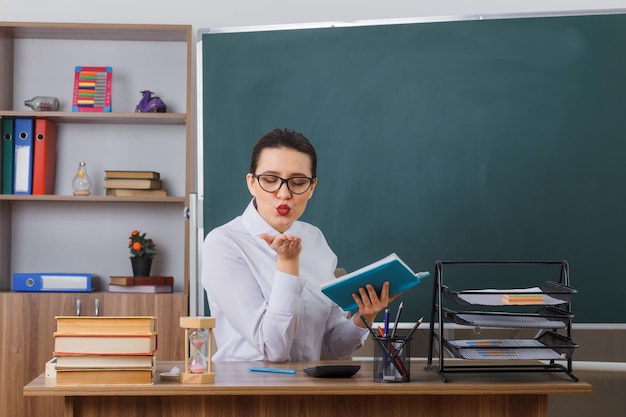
392,359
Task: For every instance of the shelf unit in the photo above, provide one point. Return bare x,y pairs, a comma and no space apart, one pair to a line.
544,308
122,44
65,231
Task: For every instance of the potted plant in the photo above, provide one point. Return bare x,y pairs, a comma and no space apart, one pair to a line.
142,250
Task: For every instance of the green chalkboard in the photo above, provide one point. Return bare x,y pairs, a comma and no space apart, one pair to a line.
495,139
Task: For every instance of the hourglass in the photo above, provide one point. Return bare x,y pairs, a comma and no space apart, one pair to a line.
198,350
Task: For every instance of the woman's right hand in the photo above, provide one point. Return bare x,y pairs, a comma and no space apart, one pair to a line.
288,248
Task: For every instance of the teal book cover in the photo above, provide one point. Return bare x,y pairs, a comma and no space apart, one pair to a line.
391,268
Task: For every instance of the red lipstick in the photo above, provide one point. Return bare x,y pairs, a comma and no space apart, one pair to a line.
283,209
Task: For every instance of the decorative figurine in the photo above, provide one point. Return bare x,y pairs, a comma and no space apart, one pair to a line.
149,104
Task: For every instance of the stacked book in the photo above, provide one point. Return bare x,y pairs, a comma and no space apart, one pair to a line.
147,285
105,350
133,183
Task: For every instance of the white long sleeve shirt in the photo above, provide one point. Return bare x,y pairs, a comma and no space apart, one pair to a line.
265,314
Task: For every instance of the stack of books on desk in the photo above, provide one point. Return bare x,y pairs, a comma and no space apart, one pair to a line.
105,350
142,285
133,183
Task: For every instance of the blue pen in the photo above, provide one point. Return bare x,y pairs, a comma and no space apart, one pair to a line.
272,370
386,328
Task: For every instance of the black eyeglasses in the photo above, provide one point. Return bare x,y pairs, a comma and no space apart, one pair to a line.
272,183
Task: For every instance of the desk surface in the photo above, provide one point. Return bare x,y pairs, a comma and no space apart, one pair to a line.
233,378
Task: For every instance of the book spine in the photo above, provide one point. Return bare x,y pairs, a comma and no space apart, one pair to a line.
154,280
106,325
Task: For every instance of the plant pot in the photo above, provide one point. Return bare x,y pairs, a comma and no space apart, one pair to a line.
141,266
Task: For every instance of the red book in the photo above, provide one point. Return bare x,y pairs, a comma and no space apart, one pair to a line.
44,156
151,280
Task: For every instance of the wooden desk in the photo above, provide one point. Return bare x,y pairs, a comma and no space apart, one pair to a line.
239,392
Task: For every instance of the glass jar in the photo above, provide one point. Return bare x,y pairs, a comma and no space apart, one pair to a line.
81,182
43,103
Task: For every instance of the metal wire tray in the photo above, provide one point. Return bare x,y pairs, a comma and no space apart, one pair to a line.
548,346
544,318
548,293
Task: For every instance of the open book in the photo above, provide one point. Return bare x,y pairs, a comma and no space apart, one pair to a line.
391,268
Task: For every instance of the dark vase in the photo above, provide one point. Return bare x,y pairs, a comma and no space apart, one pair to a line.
141,266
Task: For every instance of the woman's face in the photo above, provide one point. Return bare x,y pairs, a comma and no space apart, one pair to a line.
281,208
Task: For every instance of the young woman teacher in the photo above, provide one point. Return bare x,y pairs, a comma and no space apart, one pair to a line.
262,271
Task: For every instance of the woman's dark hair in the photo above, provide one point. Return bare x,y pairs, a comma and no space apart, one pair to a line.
284,138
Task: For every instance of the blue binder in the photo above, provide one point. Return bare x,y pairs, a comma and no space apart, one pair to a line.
23,156
53,282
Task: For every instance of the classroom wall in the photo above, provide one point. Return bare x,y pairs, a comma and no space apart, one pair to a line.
213,13
203,14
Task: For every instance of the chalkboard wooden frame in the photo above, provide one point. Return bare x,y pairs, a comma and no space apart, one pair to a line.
492,138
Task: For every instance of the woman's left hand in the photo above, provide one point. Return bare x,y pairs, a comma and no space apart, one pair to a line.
370,303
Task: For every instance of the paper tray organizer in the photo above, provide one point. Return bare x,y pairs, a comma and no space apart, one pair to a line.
552,313
548,346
